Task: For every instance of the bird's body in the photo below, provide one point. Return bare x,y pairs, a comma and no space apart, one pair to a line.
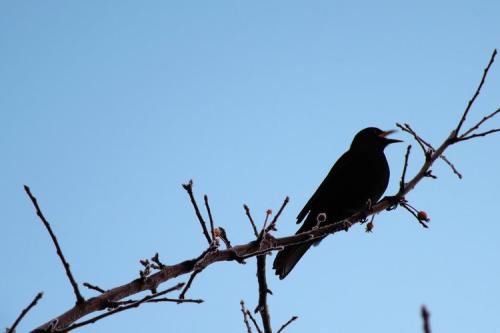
359,176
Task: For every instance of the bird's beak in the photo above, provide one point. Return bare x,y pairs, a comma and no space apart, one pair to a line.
387,133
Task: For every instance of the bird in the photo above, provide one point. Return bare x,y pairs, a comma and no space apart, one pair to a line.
357,180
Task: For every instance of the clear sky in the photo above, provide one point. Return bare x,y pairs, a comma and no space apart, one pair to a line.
107,107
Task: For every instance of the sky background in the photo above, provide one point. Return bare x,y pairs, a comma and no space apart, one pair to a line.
108,107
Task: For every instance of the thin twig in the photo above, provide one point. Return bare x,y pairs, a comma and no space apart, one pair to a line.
161,300
255,324
476,126
272,225
254,227
78,295
145,299
23,313
429,148
413,212
207,206
287,323
406,128
189,189
156,260
264,226
403,175
245,316
263,291
188,284
478,90
477,135
93,287
425,318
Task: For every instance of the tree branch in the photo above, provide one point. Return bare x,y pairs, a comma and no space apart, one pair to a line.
263,291
287,323
23,313
254,248
78,295
478,90
425,319
118,309
189,189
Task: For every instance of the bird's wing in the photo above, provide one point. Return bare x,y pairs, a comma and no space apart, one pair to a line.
336,173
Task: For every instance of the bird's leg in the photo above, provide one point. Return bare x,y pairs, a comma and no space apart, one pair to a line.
347,225
394,201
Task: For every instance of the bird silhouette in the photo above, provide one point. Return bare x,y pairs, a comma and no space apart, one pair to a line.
358,178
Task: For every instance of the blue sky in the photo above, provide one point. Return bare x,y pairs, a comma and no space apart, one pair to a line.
108,107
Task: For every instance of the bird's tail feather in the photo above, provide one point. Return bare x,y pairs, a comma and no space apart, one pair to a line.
287,258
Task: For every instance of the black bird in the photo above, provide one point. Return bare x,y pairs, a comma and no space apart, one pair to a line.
359,177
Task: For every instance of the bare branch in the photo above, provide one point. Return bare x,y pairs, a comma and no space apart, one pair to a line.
23,313
477,135
287,323
93,287
429,149
406,128
188,284
425,318
135,304
78,295
207,206
403,175
482,121
239,252
478,90
247,211
255,324
263,291
189,189
272,225
245,316
156,260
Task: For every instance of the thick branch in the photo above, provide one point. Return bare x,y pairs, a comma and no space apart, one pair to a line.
78,295
263,291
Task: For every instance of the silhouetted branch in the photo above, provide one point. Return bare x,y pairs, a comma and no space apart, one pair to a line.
258,248
403,175
425,319
255,324
287,323
23,313
207,206
189,189
478,90
244,311
118,309
188,284
263,291
247,211
272,225
93,287
78,295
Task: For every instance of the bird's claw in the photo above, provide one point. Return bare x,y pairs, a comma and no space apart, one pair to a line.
346,225
393,200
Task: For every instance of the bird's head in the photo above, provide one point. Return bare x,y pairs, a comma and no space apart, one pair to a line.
372,138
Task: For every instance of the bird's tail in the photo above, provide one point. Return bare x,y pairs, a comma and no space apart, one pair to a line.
287,258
